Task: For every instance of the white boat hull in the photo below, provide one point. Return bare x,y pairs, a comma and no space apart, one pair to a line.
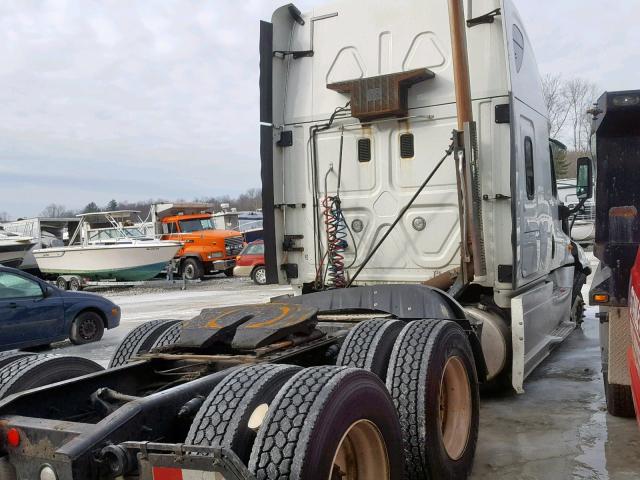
124,262
12,253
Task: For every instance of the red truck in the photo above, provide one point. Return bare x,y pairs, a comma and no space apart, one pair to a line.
633,354
205,250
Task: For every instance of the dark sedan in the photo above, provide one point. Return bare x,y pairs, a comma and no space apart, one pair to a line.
34,313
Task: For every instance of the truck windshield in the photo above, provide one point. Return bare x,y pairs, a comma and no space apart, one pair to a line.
195,225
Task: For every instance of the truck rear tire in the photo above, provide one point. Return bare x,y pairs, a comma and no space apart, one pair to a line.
39,370
236,406
619,399
11,356
329,422
139,340
369,344
192,269
433,382
170,336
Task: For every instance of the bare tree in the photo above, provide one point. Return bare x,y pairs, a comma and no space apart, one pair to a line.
55,210
250,200
552,88
579,95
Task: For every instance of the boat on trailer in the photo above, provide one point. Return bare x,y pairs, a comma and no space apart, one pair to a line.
106,246
13,248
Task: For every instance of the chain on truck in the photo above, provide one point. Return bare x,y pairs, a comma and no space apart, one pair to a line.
410,201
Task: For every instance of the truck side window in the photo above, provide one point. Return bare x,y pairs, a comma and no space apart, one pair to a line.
554,180
528,168
169,228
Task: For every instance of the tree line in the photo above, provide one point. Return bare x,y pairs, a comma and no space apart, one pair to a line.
249,200
568,101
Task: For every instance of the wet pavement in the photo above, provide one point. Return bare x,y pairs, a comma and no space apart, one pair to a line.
558,429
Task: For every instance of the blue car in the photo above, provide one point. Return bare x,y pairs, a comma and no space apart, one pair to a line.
35,313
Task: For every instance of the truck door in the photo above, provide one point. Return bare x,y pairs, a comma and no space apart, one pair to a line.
532,193
171,231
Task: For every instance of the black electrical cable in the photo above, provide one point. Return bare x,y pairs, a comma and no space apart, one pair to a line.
575,211
448,152
313,152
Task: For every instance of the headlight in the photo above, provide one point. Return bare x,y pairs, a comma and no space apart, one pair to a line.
115,311
48,473
216,255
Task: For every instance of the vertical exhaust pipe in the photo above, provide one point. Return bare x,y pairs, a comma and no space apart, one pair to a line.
470,207
460,57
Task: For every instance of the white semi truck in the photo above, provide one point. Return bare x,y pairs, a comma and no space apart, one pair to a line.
353,175
428,250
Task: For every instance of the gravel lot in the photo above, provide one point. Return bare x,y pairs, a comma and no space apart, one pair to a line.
558,429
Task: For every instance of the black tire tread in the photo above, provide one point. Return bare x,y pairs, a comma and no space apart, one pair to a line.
619,400
220,416
131,345
360,347
11,356
11,373
298,403
407,381
170,336
403,382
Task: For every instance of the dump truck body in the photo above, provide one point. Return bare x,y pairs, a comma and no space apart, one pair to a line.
616,151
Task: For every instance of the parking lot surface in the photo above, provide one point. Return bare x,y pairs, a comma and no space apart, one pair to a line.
558,429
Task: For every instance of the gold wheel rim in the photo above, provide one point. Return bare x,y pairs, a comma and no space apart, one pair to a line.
455,408
361,454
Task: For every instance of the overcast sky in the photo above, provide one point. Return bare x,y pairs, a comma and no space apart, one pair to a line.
137,99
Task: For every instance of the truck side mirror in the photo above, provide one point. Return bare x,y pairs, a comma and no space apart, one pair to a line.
584,179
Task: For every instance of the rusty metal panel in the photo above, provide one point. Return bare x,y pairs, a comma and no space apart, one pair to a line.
247,326
382,96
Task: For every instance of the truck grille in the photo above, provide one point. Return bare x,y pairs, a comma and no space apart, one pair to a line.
233,245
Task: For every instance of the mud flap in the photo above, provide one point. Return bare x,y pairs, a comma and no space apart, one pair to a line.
539,322
178,462
619,344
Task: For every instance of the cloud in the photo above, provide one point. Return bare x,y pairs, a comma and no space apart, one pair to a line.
133,100
586,38
159,98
